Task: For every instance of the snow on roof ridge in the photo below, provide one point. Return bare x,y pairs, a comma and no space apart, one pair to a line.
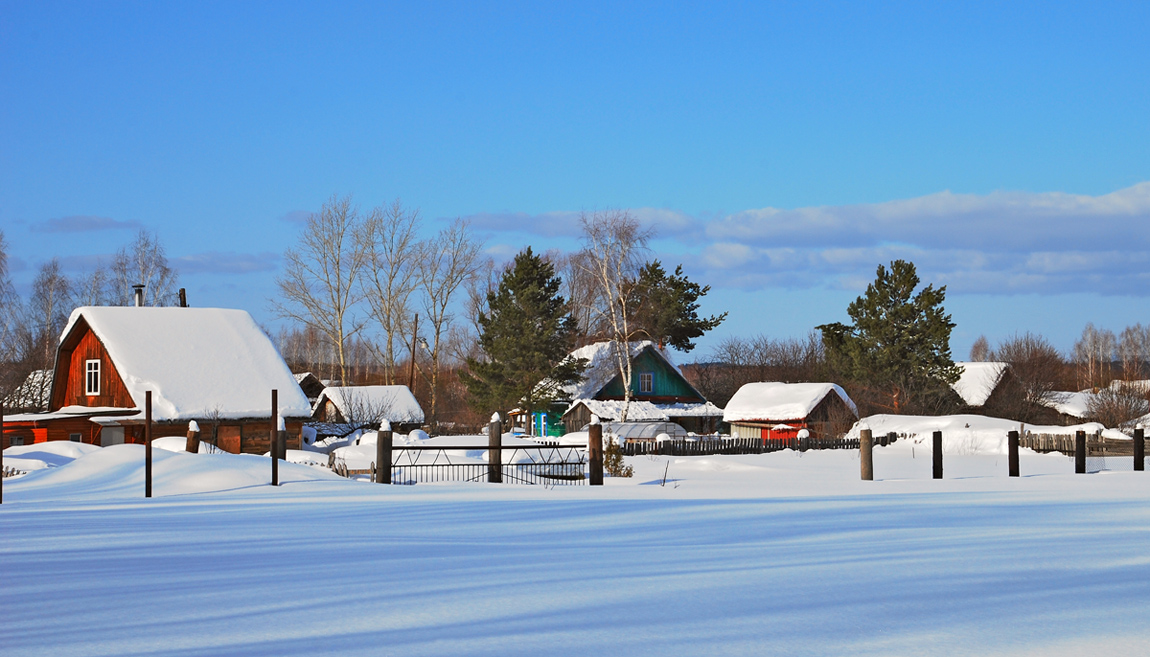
777,401
978,380
602,368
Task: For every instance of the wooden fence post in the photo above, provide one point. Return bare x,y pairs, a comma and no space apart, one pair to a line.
148,443
595,451
937,454
273,439
1139,447
1079,452
1012,453
866,454
383,444
495,450
193,444
1,453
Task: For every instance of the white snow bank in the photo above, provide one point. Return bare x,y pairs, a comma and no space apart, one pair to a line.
51,454
773,401
118,471
515,450
961,434
196,361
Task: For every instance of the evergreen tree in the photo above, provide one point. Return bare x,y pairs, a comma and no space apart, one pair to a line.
667,307
526,336
898,348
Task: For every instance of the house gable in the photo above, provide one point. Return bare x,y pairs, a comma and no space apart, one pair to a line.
667,384
78,347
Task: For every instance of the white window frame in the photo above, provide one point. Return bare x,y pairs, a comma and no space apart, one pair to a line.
88,372
647,378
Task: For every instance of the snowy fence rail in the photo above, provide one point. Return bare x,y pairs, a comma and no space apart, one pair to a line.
546,464
734,446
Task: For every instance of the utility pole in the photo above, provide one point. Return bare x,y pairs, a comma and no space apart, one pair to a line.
411,366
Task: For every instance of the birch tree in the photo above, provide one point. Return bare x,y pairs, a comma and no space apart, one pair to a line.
143,262
447,263
8,303
613,248
319,287
389,239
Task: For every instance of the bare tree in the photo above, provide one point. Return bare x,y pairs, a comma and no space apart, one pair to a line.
389,239
143,262
1115,406
320,287
1134,351
92,289
48,310
613,248
449,261
1037,372
980,351
9,376
1094,356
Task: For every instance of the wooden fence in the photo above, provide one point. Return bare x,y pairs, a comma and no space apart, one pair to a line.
1096,445
736,446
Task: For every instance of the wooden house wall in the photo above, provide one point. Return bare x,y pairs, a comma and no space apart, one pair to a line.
69,386
667,385
251,436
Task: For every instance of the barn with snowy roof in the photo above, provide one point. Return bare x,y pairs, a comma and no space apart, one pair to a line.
369,405
981,383
773,410
213,366
659,392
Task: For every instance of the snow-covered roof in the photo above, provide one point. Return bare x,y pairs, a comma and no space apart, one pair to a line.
33,392
638,411
687,409
395,403
977,381
602,367
773,401
196,361
1074,404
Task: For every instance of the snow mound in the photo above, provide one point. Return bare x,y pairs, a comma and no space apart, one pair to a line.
118,472
961,434
52,454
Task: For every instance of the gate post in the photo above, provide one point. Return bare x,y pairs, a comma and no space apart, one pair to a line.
383,453
273,440
193,444
148,443
1139,449
1079,452
495,450
1,452
937,453
866,454
595,451
1012,452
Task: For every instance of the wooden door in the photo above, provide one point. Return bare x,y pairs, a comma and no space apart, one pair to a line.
229,439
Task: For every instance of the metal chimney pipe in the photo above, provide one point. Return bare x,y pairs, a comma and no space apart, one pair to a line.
138,290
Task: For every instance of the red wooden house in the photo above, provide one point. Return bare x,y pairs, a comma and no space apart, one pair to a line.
211,365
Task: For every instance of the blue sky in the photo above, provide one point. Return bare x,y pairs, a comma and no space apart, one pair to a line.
781,150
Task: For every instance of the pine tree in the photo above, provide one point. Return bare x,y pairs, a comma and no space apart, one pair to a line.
526,336
899,345
667,307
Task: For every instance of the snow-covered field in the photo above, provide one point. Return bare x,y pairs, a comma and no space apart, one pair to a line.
784,553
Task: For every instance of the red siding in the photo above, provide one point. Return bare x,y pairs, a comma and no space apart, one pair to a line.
80,346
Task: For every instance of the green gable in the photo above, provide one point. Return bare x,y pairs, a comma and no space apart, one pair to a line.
666,382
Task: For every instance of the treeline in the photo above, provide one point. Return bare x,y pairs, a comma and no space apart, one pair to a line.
369,301
30,328
895,358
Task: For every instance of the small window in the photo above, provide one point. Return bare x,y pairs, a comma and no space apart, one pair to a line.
646,382
92,378
16,441
75,437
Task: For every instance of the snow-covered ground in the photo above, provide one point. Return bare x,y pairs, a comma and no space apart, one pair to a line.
782,553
